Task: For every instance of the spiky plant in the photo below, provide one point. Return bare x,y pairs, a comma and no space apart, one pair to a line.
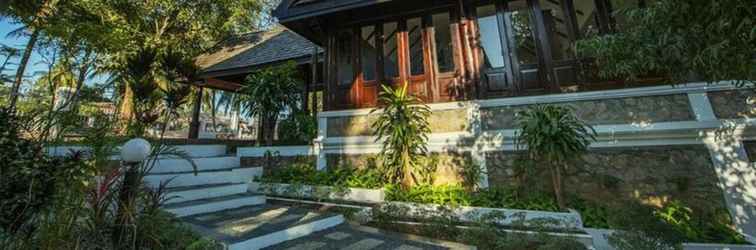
553,135
402,125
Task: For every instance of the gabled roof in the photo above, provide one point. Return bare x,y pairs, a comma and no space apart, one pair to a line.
256,49
291,10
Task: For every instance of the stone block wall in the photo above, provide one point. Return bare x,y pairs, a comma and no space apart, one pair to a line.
734,104
631,110
449,169
441,121
652,175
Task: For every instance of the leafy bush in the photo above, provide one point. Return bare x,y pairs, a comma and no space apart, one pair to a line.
458,195
27,176
402,126
444,195
553,135
305,173
298,128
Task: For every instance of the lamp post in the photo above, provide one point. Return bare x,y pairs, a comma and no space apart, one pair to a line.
133,153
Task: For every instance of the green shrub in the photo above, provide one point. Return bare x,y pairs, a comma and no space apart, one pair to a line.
458,195
305,173
298,128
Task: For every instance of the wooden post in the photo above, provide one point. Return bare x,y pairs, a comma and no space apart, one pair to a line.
313,81
194,126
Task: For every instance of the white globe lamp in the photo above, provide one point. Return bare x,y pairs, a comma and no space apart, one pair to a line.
135,150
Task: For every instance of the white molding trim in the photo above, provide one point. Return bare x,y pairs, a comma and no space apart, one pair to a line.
685,88
701,106
281,150
694,87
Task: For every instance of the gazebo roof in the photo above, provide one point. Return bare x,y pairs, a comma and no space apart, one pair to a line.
250,51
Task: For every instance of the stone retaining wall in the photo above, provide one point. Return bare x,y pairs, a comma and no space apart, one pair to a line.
651,175
633,110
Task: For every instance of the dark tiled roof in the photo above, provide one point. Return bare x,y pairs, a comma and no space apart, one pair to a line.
256,48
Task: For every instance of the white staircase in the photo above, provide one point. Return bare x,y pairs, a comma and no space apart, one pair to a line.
215,201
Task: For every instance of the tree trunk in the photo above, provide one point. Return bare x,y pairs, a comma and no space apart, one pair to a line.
556,179
83,70
260,129
212,109
127,104
408,178
22,68
270,128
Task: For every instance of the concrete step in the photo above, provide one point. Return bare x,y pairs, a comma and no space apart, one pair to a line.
256,227
209,205
200,151
183,179
190,193
163,166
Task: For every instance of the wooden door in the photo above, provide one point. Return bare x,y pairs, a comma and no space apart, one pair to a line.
497,77
414,44
444,57
344,93
525,47
369,53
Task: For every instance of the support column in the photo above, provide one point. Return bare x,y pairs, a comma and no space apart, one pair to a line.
194,126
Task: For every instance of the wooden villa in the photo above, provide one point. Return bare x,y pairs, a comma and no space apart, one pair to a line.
451,50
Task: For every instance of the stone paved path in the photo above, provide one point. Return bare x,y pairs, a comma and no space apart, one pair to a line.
347,236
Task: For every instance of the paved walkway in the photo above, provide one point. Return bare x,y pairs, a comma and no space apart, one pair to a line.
354,237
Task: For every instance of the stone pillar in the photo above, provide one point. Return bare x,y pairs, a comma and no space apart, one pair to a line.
317,144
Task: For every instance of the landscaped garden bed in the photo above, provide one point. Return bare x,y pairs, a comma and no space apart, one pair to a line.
359,195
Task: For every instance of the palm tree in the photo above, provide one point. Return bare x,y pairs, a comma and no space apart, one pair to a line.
268,92
553,135
9,53
31,13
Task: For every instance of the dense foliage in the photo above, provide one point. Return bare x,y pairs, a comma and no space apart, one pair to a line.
269,91
58,203
402,126
25,177
299,128
680,39
306,174
553,135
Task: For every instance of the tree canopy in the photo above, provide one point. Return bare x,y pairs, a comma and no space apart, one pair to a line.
682,40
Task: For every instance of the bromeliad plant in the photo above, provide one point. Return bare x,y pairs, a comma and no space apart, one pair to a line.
402,124
553,135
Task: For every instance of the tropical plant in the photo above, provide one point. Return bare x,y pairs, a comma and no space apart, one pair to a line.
553,135
32,14
680,40
300,127
402,125
9,53
267,93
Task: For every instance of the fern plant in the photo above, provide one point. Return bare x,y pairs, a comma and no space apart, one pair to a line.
553,135
402,125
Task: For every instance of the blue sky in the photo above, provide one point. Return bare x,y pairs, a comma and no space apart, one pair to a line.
20,43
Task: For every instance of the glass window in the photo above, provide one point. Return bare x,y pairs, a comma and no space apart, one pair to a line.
368,52
490,37
556,25
390,50
587,18
524,40
443,38
415,34
345,70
